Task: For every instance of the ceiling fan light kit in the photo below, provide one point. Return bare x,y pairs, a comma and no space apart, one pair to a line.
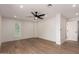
35,18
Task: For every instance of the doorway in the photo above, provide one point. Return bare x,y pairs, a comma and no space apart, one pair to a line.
72,31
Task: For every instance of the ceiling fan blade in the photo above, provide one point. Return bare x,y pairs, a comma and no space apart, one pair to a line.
42,15
40,18
33,13
36,14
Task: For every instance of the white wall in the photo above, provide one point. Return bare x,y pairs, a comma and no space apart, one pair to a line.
63,29
58,21
60,29
42,29
52,29
8,29
0,30
47,29
27,30
35,29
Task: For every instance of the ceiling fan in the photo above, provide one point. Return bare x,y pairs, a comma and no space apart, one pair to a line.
37,15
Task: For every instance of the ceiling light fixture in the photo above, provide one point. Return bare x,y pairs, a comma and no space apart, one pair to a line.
74,5
77,13
21,6
14,16
49,5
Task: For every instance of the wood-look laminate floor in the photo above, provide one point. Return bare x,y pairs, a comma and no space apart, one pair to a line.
39,46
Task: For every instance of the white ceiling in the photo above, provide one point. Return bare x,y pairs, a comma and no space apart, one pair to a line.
11,10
